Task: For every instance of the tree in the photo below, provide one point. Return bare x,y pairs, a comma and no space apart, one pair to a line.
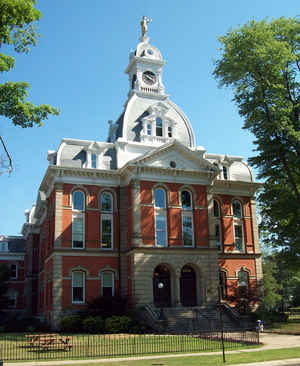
4,277
261,62
17,29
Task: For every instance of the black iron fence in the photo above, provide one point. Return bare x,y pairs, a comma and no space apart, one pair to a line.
25,347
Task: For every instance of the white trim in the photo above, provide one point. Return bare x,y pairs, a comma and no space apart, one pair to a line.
185,213
82,216
242,237
83,287
113,281
107,216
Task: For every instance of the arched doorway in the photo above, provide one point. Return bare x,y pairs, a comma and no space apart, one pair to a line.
162,286
188,293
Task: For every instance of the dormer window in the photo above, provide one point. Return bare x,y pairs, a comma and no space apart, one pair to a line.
225,172
94,161
159,126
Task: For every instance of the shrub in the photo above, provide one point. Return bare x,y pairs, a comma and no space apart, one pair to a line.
107,306
93,324
117,324
269,316
71,324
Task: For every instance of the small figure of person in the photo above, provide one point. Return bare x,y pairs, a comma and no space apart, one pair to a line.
261,326
144,25
258,325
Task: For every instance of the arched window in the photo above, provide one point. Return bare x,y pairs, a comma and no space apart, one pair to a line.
187,219
186,200
160,217
223,284
106,202
78,200
225,172
237,209
243,283
78,205
159,126
107,283
216,209
159,198
217,220
106,206
78,287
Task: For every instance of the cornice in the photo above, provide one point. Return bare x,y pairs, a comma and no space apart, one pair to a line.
57,174
235,187
171,250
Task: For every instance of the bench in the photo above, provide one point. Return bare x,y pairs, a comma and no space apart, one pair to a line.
49,341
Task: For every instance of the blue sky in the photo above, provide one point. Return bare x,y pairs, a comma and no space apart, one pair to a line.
78,66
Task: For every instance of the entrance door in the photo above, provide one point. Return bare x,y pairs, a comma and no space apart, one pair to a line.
188,294
162,286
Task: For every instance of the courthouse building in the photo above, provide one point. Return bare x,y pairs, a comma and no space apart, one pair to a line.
147,215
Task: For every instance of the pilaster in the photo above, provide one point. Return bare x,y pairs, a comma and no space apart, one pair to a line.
58,215
56,290
136,212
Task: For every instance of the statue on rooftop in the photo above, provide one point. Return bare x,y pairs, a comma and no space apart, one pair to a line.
144,25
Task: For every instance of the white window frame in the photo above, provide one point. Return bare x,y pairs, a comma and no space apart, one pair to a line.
113,282
236,224
78,215
16,276
219,239
241,207
3,246
160,212
94,161
187,212
83,287
107,217
184,214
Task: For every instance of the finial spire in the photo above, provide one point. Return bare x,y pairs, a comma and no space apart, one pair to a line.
144,26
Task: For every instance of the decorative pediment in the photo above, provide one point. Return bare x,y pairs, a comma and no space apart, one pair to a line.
175,156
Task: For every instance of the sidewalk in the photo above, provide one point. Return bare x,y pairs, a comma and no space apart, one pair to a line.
270,341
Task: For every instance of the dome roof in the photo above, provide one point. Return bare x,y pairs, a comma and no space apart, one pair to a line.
146,50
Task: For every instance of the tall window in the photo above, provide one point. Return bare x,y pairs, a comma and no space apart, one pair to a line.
170,132
13,271
218,236
106,205
216,209
159,126
187,219
243,283
12,296
225,172
160,217
78,287
149,129
78,205
107,284
217,220
223,284
237,209
238,238
94,160
3,246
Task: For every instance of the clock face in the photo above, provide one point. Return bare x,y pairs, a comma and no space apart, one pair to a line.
149,77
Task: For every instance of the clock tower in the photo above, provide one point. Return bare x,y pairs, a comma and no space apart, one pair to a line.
145,71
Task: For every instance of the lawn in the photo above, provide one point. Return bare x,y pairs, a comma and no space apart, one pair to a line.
15,346
292,326
231,359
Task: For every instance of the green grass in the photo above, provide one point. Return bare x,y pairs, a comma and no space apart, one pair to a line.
15,347
231,359
292,326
